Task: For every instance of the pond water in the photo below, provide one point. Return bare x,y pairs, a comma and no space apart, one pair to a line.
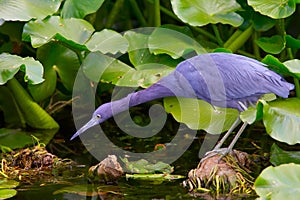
80,188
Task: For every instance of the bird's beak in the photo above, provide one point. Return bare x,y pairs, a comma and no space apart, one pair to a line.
94,121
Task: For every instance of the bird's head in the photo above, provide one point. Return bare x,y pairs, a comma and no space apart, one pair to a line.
100,115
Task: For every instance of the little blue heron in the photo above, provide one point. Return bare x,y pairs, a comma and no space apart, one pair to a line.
222,79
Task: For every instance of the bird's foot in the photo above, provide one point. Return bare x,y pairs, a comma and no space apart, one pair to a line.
216,151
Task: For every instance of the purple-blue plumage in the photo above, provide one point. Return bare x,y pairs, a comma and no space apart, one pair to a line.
222,79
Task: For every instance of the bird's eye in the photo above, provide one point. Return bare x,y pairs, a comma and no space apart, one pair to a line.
98,116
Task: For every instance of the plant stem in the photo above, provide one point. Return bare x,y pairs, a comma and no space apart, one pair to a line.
157,19
218,36
205,33
237,33
256,50
296,81
138,13
114,13
241,39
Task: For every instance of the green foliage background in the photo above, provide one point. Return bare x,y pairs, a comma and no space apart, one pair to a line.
43,43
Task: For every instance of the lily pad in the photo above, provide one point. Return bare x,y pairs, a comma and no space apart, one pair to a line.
79,9
276,65
282,118
274,44
202,12
6,188
73,31
7,193
11,64
139,52
280,156
107,41
174,43
198,114
14,138
274,8
281,182
24,10
294,67
98,66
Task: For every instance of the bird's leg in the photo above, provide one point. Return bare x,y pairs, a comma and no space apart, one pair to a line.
236,137
234,125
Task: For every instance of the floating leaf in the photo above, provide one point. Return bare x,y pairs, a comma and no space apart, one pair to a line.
202,12
107,41
198,114
173,43
79,9
277,183
294,67
274,44
279,156
14,138
73,31
24,10
11,64
282,118
7,193
274,8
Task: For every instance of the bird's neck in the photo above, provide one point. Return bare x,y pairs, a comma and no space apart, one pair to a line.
136,98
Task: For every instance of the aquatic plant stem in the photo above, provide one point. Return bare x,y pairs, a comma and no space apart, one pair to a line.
114,13
218,36
139,15
296,81
157,19
241,39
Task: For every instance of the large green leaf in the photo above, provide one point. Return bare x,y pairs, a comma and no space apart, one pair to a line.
294,67
274,44
198,114
274,8
202,12
24,10
108,41
57,58
277,183
73,31
14,138
276,65
145,75
279,156
34,115
11,64
292,42
12,114
173,43
6,190
282,118
99,67
253,114
79,9
139,53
